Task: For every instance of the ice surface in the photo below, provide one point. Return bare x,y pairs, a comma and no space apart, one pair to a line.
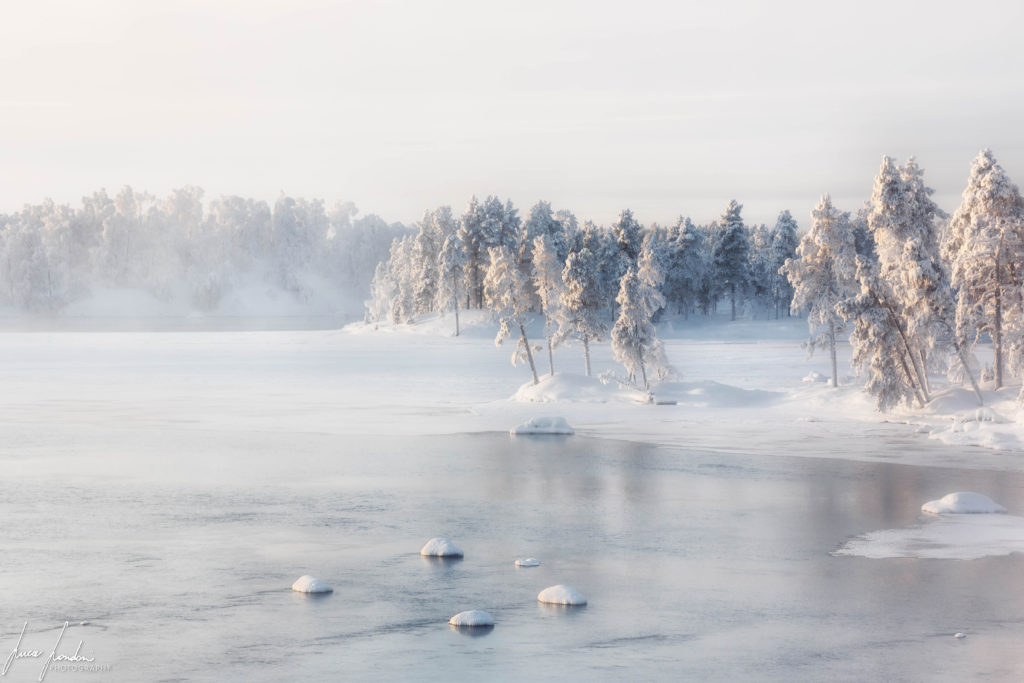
528,562
953,537
311,584
440,547
472,618
561,595
963,502
543,425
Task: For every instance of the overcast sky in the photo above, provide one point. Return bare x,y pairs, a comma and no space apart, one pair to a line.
663,107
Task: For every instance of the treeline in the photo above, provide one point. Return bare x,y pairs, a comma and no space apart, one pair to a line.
52,255
925,289
587,281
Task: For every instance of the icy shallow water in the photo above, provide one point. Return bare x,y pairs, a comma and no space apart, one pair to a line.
696,565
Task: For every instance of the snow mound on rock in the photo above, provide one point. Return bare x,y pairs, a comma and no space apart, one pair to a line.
473,618
543,425
564,386
963,503
815,376
527,562
440,547
561,595
311,584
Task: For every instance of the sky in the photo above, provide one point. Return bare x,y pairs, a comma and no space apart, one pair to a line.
666,108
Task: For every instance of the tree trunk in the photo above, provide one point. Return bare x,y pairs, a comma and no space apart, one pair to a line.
967,370
643,373
551,358
455,303
997,337
832,352
732,299
529,354
586,354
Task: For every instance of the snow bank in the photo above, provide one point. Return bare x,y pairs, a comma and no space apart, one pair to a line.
815,376
311,584
948,537
711,394
472,619
564,386
962,502
543,425
528,562
561,595
440,547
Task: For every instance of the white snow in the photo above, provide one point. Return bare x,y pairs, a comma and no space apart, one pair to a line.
528,562
815,376
963,502
440,547
561,595
955,537
473,618
568,387
543,425
311,584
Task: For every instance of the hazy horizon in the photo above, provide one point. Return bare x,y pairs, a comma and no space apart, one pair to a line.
399,108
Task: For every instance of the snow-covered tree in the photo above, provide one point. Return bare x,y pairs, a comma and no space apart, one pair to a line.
650,271
985,245
687,266
730,255
634,340
783,246
475,241
451,263
581,301
881,350
506,290
547,279
822,275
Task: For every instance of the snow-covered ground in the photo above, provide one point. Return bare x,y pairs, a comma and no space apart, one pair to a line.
741,388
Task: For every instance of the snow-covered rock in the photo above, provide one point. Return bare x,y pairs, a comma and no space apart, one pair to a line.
473,618
561,595
543,425
311,584
527,562
440,547
962,502
815,376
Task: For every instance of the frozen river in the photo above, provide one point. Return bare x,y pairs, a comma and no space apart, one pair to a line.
180,554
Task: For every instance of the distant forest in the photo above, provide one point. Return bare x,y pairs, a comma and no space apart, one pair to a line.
178,248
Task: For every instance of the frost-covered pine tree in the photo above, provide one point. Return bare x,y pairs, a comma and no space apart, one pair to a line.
547,280
985,246
475,242
823,274
424,265
881,351
904,225
782,248
506,290
451,262
650,270
686,266
730,255
634,340
628,238
581,301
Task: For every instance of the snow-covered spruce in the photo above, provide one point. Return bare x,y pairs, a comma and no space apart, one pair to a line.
543,425
440,546
311,584
561,595
473,618
527,562
963,503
